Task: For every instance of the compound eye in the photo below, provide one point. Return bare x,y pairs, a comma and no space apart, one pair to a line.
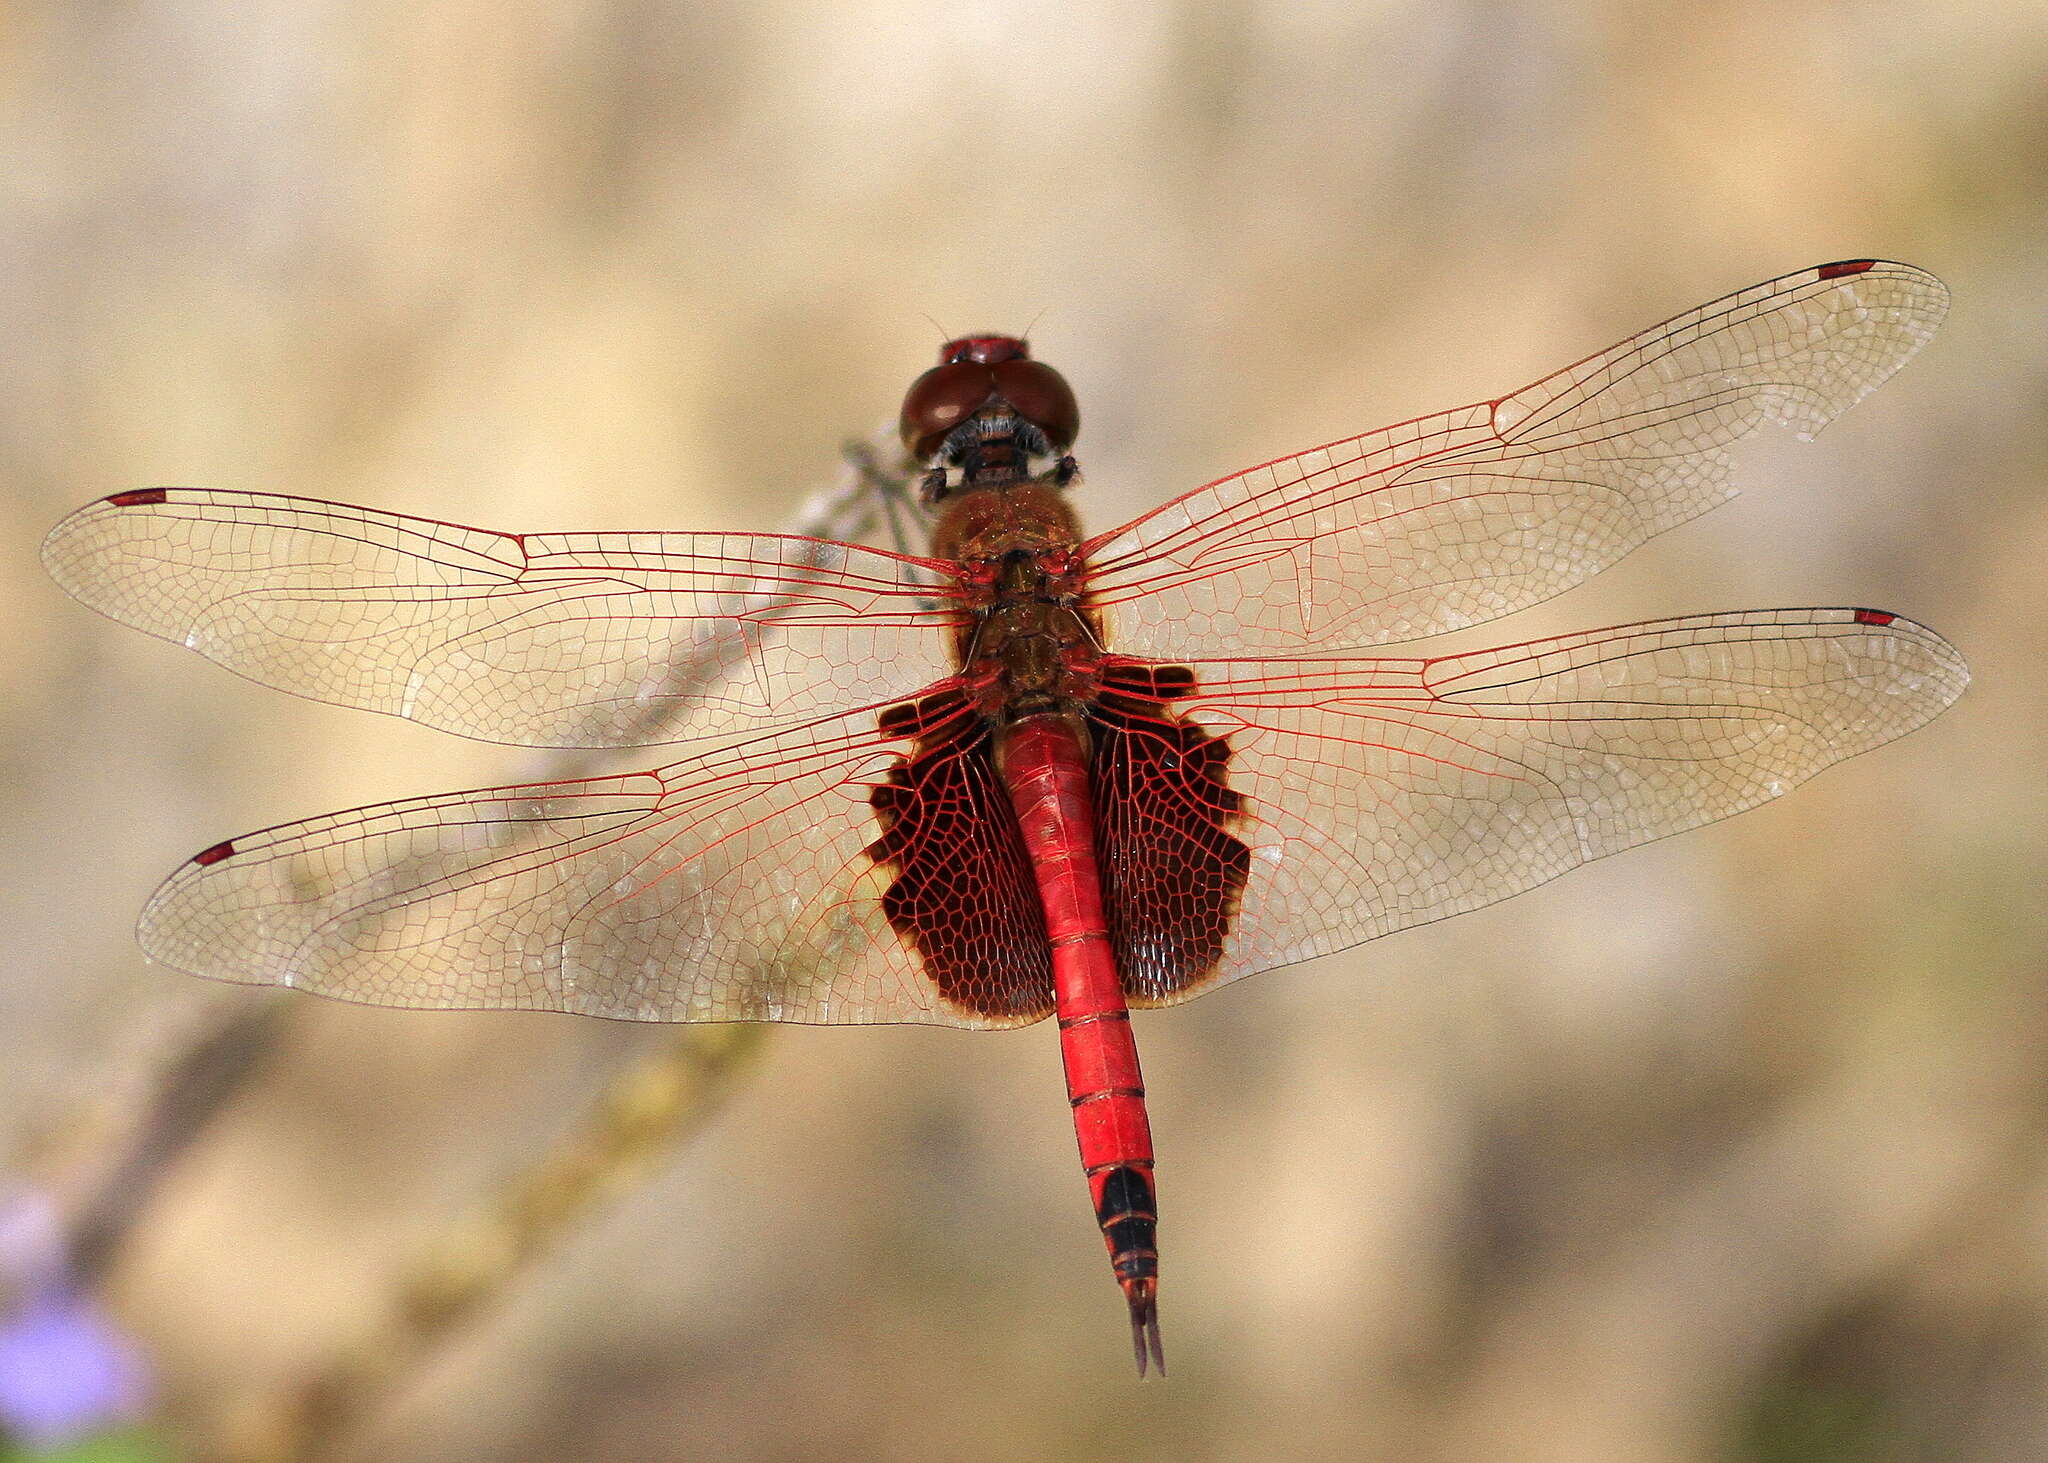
984,350
1042,397
940,400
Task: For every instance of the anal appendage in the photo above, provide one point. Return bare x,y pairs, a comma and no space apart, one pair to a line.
1143,1294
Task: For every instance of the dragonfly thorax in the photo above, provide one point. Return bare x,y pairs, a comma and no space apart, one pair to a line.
1031,644
1030,654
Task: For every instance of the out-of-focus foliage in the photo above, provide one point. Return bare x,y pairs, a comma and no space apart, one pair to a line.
1728,1148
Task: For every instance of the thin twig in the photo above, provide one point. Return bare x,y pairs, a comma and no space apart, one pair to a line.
646,1110
208,1072
650,1106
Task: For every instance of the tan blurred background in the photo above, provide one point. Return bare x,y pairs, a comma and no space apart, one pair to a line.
1729,1148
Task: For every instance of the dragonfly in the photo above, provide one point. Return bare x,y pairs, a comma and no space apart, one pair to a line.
1031,772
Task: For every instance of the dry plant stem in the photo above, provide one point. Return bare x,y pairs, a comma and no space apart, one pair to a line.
194,1078
103,1159
644,1112
203,1075
648,1107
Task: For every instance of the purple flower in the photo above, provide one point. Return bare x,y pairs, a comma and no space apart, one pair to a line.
65,1371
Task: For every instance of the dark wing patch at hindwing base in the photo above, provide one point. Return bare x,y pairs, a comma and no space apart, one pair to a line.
963,898
1173,874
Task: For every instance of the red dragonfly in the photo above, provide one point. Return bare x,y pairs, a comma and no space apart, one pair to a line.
1031,773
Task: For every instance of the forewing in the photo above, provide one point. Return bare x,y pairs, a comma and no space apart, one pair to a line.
1378,794
549,640
1454,519
743,884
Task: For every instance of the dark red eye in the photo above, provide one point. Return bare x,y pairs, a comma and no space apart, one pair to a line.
984,350
940,400
1042,397
975,368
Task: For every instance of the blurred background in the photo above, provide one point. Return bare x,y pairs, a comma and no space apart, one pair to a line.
1728,1148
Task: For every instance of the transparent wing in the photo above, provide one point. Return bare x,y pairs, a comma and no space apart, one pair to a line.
736,885
1458,518
753,882
1380,794
549,640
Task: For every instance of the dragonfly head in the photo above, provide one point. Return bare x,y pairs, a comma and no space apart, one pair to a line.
987,374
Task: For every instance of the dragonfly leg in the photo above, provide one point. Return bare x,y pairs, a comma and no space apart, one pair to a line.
891,487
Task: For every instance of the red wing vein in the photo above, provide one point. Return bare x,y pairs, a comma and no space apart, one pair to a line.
732,885
1450,520
1378,794
599,639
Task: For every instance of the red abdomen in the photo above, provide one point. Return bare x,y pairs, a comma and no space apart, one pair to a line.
1044,764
